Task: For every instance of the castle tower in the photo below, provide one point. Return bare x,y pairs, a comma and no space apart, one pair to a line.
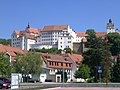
110,27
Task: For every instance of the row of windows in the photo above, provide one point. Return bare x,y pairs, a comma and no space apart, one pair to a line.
16,43
68,38
57,64
49,36
16,39
48,39
66,46
15,36
46,33
68,42
59,70
49,43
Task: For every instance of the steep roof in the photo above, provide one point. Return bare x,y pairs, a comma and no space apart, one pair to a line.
56,58
33,30
77,58
30,30
11,50
28,36
54,28
17,32
81,34
100,33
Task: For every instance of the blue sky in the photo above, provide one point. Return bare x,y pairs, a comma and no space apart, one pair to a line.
79,14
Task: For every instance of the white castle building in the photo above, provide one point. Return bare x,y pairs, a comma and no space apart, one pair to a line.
23,39
54,36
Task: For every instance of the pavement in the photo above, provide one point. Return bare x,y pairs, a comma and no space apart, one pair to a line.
82,88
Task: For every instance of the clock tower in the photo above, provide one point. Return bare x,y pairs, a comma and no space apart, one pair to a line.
110,27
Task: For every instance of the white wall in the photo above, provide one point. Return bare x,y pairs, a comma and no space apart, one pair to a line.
43,77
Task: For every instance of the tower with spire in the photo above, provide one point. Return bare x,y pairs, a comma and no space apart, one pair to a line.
28,25
110,27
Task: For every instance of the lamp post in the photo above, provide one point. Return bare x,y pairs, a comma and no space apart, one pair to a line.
106,61
63,76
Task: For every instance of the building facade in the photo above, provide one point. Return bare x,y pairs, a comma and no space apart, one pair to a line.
110,27
23,39
55,65
54,36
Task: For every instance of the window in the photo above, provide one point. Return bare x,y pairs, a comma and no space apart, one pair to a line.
66,65
50,63
55,63
61,64
69,41
61,46
69,65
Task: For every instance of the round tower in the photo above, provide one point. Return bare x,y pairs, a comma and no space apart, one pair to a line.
110,27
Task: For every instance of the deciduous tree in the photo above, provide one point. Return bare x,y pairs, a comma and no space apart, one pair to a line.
82,72
5,66
30,63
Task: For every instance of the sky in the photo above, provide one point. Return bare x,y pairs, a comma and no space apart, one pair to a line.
79,14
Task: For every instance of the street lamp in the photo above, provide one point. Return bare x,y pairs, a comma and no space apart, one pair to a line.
63,76
106,61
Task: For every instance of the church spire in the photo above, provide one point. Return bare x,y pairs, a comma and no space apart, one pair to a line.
28,25
110,27
110,21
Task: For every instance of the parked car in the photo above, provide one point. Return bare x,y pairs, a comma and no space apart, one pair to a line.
5,83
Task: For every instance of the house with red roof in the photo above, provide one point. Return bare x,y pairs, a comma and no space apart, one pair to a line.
54,64
11,51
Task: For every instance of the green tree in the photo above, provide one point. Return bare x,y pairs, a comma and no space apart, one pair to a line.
116,72
67,50
30,63
5,41
5,66
82,72
96,55
43,50
114,43
92,40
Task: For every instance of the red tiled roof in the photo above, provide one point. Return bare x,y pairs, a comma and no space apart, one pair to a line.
77,58
11,50
28,36
20,33
84,34
56,58
81,34
54,28
100,33
17,32
33,30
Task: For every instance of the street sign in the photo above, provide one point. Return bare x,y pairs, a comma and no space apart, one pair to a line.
99,69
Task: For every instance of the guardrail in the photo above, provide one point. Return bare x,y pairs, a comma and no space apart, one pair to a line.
51,84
